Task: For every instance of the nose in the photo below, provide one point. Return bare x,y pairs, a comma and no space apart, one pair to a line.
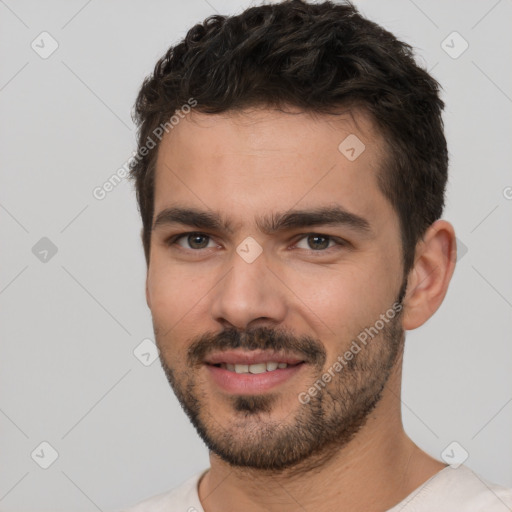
249,295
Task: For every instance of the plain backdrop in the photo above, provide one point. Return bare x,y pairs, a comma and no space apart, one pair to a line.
72,305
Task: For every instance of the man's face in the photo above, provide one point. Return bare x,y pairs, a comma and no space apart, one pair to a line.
298,292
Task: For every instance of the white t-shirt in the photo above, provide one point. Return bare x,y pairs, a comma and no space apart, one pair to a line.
449,490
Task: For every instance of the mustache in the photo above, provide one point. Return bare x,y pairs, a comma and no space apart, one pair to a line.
261,338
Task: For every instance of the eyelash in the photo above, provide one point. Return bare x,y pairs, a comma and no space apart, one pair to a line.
338,241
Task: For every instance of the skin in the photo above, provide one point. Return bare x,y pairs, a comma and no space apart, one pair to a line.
263,161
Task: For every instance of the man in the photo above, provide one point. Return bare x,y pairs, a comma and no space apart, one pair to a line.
290,177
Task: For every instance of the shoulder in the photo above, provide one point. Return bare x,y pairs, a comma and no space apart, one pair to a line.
184,498
458,489
485,495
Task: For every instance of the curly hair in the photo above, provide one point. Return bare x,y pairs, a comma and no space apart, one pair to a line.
317,57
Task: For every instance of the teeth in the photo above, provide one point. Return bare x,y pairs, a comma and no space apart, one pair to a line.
241,368
254,368
257,368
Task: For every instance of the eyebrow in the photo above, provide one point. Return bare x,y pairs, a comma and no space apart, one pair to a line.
269,224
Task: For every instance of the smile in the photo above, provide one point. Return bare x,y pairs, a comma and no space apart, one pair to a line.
269,366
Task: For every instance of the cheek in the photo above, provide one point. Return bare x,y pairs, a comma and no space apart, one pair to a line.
345,299
175,294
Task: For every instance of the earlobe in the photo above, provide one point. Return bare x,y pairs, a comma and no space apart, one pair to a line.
429,278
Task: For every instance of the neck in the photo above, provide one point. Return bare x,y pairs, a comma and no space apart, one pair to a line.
377,469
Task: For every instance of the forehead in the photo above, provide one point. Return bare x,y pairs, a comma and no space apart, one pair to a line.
265,130
263,159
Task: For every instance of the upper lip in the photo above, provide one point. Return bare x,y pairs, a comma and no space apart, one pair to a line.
252,357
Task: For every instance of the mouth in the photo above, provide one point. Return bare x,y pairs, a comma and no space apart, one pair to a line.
252,372
255,369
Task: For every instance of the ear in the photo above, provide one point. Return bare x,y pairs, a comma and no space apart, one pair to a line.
428,280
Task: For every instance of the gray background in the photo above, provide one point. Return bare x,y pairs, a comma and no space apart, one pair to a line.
69,325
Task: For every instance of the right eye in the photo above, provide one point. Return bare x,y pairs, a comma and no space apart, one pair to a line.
193,240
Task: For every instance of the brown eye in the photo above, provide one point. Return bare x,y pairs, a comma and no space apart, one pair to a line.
316,242
192,241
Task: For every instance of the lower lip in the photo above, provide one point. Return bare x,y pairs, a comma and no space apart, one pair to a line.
251,383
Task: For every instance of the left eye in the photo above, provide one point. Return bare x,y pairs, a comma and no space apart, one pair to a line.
317,242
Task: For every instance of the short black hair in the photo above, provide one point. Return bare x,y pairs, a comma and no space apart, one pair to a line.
320,58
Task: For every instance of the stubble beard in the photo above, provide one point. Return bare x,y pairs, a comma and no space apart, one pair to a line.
310,432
